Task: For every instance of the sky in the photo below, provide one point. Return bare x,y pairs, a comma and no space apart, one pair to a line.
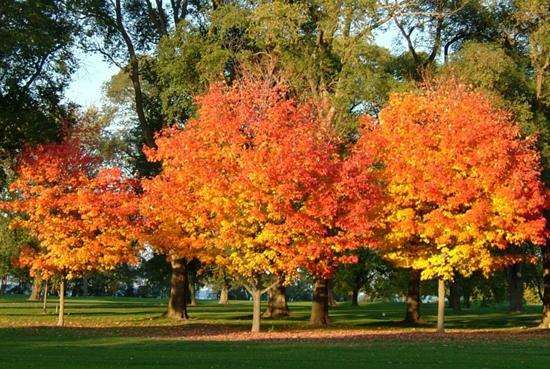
86,86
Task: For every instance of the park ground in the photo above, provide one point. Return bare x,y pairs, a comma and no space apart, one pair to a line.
120,333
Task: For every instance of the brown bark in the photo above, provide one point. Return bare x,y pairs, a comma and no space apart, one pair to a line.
545,321
3,282
192,295
61,311
412,299
319,307
331,300
455,291
440,305
276,303
515,288
36,289
45,298
179,287
84,286
224,295
257,310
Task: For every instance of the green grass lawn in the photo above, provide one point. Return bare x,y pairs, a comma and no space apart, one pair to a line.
132,333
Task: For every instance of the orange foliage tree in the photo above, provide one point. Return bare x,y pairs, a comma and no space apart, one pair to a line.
462,184
82,217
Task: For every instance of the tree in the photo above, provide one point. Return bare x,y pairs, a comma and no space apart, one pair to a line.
36,61
81,217
462,183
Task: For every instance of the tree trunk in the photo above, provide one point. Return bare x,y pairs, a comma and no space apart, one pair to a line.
454,295
179,287
276,304
545,322
440,305
257,309
45,298
355,296
192,296
85,286
36,288
61,312
319,307
515,288
224,295
3,281
331,300
412,300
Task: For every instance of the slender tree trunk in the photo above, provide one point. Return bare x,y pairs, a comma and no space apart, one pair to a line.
85,286
454,294
440,305
61,316
331,300
319,307
545,322
177,303
412,300
224,295
276,304
3,284
35,291
257,309
515,288
355,296
192,294
45,298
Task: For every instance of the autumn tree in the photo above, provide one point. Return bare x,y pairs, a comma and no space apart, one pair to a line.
463,185
81,217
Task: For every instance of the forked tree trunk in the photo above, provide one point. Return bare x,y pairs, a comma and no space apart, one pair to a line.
276,303
412,301
515,288
35,290
224,295
45,298
545,322
179,287
319,307
256,309
440,305
61,312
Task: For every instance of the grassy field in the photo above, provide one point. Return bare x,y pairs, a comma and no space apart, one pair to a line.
132,333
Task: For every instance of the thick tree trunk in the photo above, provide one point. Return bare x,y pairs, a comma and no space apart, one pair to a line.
45,298
61,312
257,310
36,288
515,288
455,291
440,305
355,296
224,295
412,300
319,307
545,322
85,286
276,304
179,287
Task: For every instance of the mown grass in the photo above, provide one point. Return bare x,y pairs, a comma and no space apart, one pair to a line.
133,333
